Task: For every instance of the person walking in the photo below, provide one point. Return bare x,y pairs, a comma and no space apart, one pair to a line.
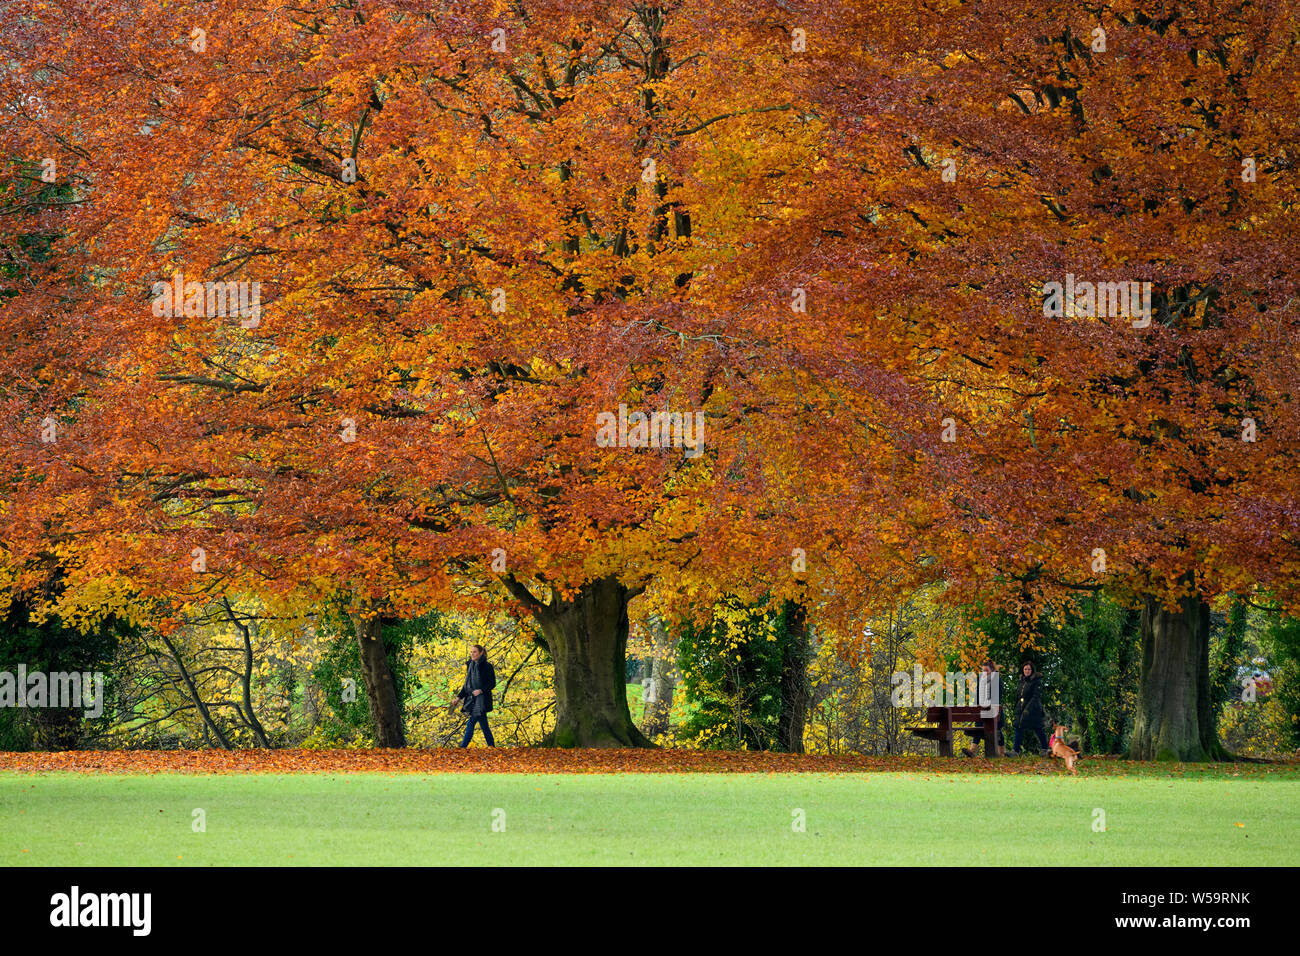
476,695
1029,708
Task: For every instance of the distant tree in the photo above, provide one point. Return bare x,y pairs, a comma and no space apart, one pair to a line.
1281,644
43,642
734,670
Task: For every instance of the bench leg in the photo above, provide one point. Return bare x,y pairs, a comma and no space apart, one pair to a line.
991,737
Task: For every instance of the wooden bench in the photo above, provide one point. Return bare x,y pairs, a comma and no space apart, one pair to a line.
959,720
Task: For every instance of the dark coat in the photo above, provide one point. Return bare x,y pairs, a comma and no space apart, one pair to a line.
1029,707
479,675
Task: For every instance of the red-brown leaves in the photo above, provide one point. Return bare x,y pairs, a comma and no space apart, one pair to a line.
528,760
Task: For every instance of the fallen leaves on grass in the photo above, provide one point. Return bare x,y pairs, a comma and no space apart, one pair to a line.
527,760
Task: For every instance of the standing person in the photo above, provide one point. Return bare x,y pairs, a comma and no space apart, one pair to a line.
989,678
990,699
1029,708
476,695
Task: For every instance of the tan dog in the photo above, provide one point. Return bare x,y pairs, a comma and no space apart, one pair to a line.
1060,748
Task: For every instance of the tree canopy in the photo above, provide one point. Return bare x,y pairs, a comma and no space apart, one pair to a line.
338,297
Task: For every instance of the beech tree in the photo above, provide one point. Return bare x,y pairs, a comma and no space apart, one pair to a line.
1082,218
347,294
376,299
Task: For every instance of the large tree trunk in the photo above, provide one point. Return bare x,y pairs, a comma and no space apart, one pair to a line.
794,679
381,689
663,681
1175,720
587,639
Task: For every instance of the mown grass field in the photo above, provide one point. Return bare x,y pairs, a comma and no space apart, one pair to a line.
648,818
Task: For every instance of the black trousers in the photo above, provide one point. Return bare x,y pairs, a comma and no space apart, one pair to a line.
1021,727
481,720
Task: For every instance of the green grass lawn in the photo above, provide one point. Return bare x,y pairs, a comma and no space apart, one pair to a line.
636,819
